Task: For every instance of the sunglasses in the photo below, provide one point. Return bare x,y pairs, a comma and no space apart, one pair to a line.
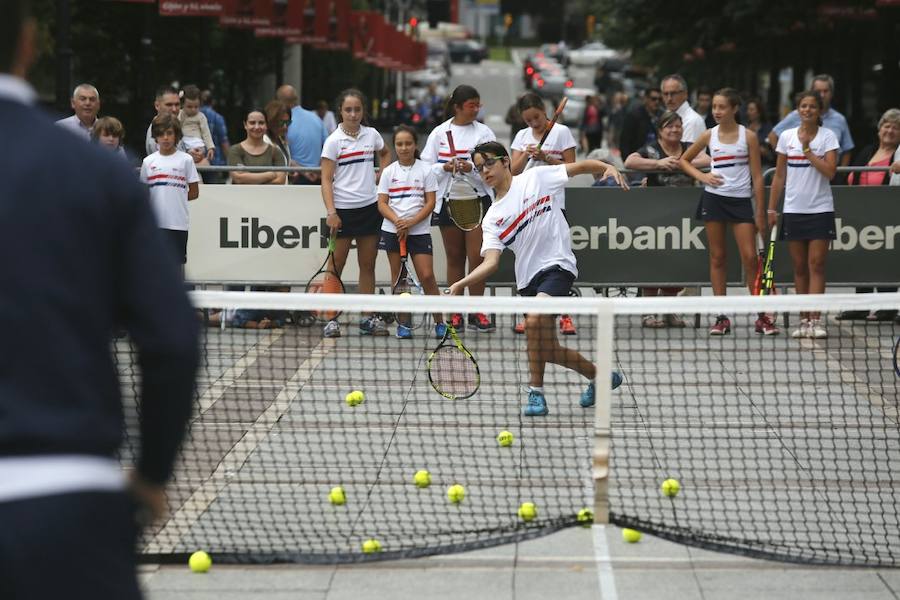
488,163
286,123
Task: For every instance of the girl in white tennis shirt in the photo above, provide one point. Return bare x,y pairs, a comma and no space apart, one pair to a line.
526,219
734,179
348,191
558,148
460,246
807,160
406,200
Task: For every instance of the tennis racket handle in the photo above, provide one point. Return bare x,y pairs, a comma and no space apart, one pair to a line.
403,246
451,144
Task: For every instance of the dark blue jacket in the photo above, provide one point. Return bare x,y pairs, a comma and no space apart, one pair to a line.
80,255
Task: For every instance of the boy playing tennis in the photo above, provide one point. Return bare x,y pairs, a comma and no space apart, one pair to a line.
525,219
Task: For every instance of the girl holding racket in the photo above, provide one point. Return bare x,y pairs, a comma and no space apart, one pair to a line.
527,151
545,263
807,161
406,198
732,184
451,163
348,191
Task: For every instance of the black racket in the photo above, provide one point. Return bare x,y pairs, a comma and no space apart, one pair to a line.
767,281
326,281
465,208
452,370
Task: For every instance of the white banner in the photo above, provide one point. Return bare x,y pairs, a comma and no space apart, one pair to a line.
269,234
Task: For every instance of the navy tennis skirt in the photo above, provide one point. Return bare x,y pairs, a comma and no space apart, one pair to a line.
802,226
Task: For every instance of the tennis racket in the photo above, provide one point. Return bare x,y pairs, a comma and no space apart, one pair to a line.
406,284
452,370
465,208
767,278
556,115
326,281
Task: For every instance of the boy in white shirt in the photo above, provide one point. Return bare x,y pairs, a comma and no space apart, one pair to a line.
173,181
525,218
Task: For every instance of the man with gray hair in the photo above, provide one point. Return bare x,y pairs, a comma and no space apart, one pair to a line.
86,104
675,96
831,119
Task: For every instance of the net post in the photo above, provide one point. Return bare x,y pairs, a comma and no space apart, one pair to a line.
603,359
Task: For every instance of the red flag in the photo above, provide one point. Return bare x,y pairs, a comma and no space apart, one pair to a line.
342,13
323,14
308,24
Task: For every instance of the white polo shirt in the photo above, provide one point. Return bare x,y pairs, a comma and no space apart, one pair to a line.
354,166
806,191
168,178
527,221
405,188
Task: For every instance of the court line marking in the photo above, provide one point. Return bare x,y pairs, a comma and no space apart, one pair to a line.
169,536
605,576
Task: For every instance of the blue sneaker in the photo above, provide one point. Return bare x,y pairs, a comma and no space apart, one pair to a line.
537,405
440,330
588,396
404,332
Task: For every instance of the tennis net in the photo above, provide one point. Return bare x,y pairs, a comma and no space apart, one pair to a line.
783,447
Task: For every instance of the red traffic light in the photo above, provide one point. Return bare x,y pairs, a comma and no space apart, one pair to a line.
413,22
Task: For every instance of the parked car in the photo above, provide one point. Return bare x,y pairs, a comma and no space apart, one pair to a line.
590,54
574,110
466,51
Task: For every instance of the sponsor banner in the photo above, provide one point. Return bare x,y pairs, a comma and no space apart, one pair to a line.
192,8
247,14
648,236
287,20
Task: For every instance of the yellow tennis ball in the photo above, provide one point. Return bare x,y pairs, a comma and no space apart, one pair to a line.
670,488
371,546
200,562
505,438
632,536
337,496
354,398
586,517
405,294
528,511
422,478
456,493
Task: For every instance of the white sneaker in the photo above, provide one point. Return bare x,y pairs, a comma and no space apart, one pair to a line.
803,331
332,329
817,330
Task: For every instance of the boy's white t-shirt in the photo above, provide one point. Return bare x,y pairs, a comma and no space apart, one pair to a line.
558,141
354,166
168,178
806,191
527,221
436,154
405,188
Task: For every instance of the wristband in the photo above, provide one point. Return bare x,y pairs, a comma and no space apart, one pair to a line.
772,212
805,150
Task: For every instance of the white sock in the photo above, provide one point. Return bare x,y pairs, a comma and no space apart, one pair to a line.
538,389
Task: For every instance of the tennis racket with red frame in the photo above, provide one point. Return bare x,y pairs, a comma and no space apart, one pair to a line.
326,281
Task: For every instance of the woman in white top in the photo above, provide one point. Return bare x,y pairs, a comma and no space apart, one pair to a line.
807,160
558,149
460,246
733,182
348,191
406,200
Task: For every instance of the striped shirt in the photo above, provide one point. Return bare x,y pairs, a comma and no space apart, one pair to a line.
405,188
731,162
354,166
558,141
436,154
806,190
168,177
